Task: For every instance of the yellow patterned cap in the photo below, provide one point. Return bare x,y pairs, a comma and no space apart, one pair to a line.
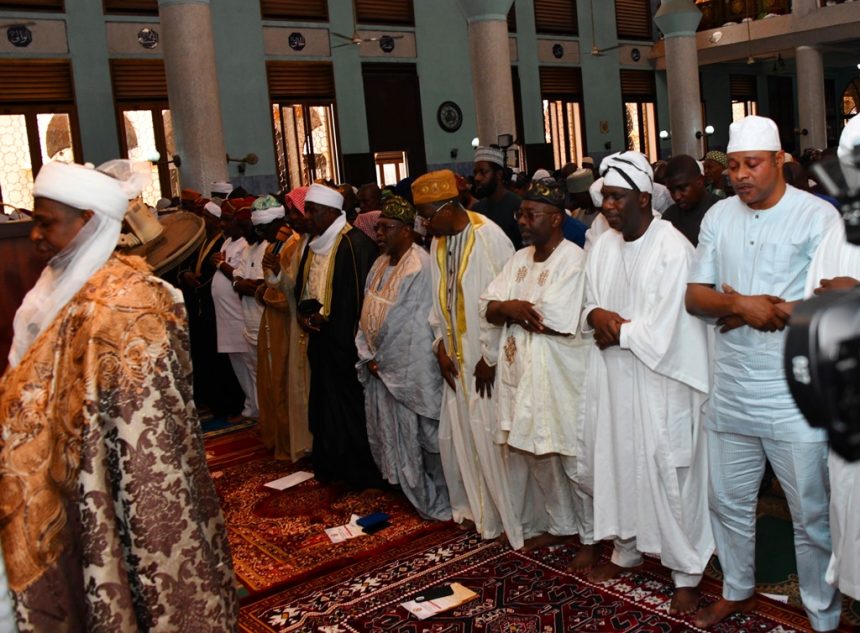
435,186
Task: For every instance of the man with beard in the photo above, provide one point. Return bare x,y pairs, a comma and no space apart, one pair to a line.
329,292
686,184
537,300
402,385
495,200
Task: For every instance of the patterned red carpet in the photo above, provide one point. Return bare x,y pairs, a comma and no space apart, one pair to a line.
278,537
518,593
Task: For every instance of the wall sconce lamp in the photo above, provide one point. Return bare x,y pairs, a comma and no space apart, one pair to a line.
801,131
665,134
505,141
250,159
709,129
155,159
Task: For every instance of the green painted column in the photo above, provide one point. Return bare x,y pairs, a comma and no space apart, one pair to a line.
529,73
85,24
601,82
349,85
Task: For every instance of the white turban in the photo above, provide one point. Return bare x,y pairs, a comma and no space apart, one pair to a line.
264,216
753,134
628,170
596,194
325,196
490,155
83,188
219,186
213,208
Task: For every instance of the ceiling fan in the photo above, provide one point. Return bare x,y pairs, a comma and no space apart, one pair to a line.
597,51
355,39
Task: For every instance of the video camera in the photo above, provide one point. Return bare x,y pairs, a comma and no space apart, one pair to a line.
822,347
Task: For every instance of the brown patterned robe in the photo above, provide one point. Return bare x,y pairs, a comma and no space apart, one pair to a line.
108,517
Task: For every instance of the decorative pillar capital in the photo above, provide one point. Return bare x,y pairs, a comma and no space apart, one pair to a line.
486,10
678,18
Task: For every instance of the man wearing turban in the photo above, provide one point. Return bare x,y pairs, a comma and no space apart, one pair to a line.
109,517
402,385
753,255
643,454
329,292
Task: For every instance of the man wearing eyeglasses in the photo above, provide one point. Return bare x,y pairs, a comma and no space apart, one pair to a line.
467,252
537,300
396,365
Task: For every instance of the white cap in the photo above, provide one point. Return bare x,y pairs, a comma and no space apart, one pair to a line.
219,186
325,196
753,134
213,209
540,174
490,155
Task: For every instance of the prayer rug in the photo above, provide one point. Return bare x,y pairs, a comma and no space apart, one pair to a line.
278,537
523,593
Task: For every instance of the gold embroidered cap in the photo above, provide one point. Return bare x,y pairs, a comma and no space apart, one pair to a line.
397,208
434,186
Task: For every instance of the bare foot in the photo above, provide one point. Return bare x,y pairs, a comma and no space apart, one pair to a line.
721,609
585,558
543,540
466,525
685,601
607,572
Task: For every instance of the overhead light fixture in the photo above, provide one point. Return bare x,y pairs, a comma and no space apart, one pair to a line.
475,142
664,134
709,129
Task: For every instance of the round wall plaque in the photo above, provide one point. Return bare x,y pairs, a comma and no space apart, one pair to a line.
147,37
450,116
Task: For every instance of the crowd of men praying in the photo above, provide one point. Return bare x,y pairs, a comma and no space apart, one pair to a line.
591,356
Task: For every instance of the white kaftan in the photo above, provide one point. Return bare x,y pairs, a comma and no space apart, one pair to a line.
643,454
462,266
835,257
539,387
229,319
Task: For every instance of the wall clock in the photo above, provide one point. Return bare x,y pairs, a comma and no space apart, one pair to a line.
449,116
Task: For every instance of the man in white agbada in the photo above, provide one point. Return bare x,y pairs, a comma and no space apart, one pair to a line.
229,318
643,455
753,255
396,365
467,252
537,300
836,266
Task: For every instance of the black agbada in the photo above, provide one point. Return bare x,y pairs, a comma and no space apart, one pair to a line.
336,400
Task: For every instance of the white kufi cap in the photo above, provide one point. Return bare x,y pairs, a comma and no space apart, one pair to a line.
753,134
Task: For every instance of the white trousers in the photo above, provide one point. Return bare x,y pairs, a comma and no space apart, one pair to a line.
736,465
625,554
245,367
546,496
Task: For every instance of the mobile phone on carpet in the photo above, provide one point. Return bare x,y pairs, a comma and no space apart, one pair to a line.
434,593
